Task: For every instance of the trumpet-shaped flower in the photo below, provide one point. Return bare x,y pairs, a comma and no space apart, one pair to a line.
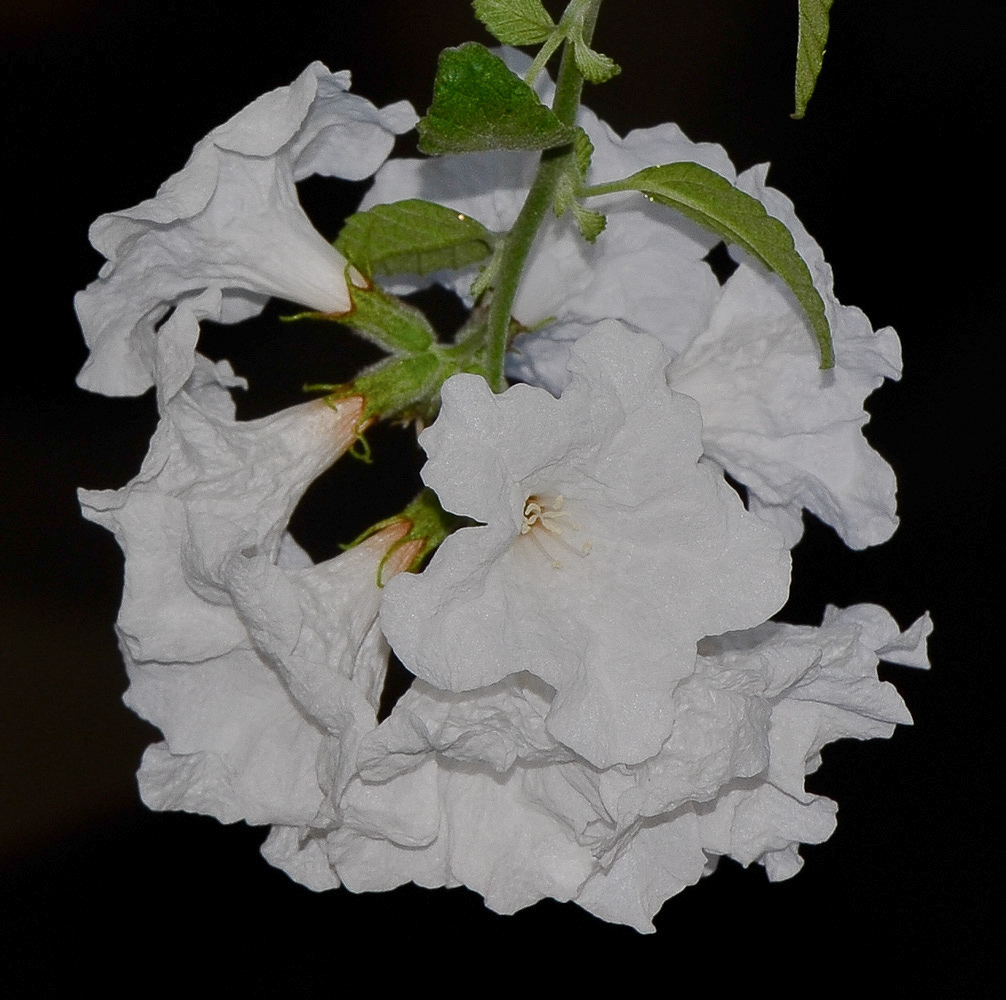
606,551
791,434
248,657
227,232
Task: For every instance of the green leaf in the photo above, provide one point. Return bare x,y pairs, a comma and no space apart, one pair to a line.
413,237
383,319
714,203
515,22
569,188
594,66
478,104
583,152
591,223
813,36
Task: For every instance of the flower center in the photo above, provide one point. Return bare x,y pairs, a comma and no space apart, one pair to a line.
542,513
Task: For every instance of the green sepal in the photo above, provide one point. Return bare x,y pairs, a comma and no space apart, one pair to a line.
396,388
810,45
715,204
478,104
413,237
427,522
407,387
383,319
400,387
430,525
515,22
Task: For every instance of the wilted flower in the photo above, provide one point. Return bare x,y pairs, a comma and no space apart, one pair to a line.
227,232
607,549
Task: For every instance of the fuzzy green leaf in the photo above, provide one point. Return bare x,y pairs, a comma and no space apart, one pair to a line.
583,152
413,237
478,104
714,203
515,22
813,36
591,223
594,66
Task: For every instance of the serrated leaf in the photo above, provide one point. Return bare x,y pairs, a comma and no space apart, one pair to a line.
413,237
478,104
810,45
714,203
594,66
591,223
567,193
515,22
583,152
387,320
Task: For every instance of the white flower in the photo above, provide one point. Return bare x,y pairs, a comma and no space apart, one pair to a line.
791,434
248,657
227,232
472,789
607,549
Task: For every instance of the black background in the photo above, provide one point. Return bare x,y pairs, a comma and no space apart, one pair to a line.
890,172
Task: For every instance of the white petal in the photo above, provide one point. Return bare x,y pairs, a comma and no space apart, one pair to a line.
790,432
236,746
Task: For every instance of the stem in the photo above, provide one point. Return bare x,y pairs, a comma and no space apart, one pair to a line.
517,244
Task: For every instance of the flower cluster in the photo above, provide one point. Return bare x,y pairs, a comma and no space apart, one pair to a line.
602,707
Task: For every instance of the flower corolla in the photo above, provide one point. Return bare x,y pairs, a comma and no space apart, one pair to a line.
227,232
745,351
606,549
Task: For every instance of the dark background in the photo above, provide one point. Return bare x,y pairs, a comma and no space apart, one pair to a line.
890,172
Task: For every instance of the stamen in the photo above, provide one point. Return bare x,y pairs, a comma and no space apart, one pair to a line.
545,511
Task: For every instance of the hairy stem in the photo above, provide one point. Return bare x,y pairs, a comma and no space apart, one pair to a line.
517,245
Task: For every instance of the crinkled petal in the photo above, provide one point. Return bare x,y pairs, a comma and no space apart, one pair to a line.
492,729
777,423
483,833
659,861
230,222
209,486
301,854
471,788
236,746
835,694
317,628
